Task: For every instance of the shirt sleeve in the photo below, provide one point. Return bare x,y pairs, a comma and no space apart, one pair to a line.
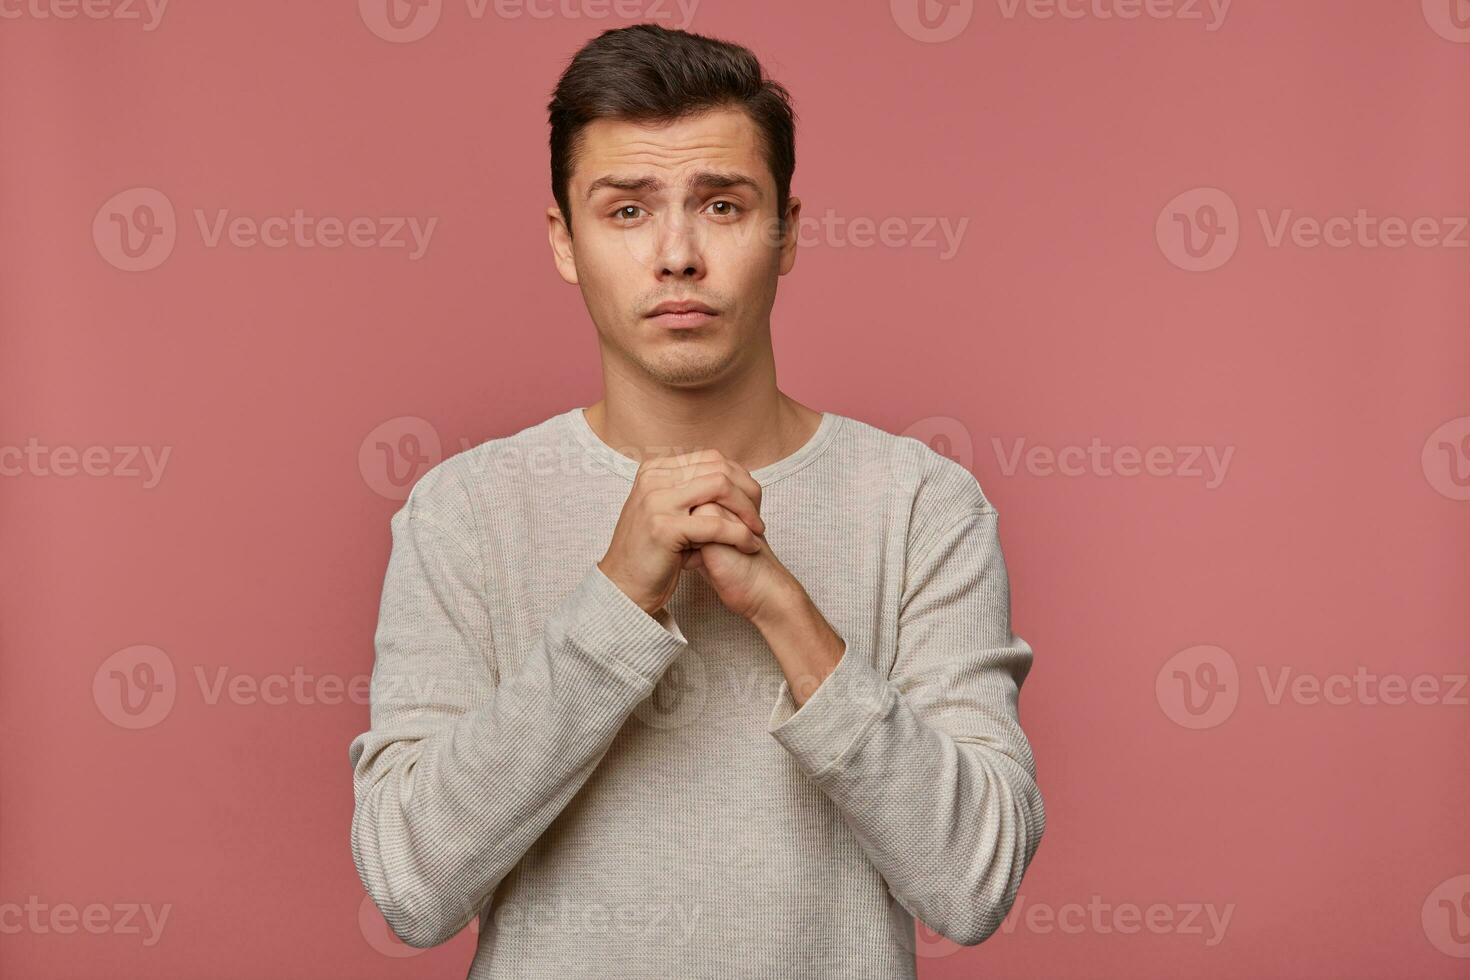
929,766
464,767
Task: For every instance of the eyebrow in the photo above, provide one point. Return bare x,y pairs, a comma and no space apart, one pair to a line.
704,180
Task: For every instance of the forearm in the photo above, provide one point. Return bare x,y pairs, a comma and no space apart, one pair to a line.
447,806
950,822
931,770
804,643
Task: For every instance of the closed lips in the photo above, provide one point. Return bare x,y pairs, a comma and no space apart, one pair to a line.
681,307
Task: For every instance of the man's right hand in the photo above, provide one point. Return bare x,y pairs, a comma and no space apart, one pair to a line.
656,531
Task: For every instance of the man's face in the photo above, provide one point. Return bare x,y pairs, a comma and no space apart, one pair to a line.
676,212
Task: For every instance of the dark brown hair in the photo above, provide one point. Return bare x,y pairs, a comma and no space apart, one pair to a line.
644,73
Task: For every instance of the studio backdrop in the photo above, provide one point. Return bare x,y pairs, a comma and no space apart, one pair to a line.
1184,283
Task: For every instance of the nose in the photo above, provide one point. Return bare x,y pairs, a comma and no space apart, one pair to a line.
680,248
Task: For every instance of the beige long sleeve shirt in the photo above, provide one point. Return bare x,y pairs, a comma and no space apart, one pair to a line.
612,794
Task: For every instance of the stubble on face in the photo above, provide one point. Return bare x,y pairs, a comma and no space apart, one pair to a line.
624,277
682,359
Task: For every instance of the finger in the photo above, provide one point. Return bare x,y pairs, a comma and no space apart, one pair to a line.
679,466
677,470
716,488
698,529
719,511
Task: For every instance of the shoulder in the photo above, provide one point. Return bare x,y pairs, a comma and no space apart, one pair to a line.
939,484
937,490
455,493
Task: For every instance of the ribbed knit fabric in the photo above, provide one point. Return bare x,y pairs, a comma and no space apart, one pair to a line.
614,794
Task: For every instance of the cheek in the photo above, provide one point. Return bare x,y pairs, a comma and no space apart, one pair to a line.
616,259
752,271
739,261
603,267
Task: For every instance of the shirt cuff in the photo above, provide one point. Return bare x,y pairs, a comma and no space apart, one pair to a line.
667,621
836,716
609,625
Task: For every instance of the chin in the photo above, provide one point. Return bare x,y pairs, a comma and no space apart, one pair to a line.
686,370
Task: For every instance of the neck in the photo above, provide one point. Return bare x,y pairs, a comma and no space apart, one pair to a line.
754,428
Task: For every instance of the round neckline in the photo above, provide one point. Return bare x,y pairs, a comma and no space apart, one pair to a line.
627,466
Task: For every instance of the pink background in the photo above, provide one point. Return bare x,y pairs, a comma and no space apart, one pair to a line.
1333,834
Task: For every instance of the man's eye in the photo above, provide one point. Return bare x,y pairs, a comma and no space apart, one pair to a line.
733,208
620,212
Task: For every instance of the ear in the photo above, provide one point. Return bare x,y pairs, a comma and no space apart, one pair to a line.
788,240
561,245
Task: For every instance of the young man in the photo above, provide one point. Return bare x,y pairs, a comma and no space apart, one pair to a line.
736,700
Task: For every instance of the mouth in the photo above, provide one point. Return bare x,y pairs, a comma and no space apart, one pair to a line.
681,321
681,314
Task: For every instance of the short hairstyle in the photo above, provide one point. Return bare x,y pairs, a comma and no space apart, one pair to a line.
645,72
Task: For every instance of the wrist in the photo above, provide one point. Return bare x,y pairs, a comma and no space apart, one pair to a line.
803,642
650,606
781,608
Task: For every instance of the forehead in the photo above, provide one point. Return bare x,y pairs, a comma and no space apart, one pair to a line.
721,139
